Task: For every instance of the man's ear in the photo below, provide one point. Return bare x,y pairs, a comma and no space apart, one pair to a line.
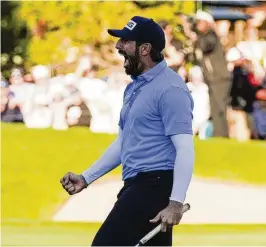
145,49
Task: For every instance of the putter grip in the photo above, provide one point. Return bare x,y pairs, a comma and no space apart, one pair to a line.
157,229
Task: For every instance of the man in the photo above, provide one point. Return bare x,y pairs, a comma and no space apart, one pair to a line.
154,145
36,110
11,97
173,55
200,94
242,95
210,56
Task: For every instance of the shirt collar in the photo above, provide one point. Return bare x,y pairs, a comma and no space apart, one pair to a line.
152,73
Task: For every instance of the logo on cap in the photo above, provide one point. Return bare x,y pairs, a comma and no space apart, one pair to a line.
130,25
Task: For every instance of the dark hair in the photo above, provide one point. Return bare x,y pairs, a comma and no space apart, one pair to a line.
95,67
156,56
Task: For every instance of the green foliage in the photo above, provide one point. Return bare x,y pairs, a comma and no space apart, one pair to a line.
14,37
33,162
85,23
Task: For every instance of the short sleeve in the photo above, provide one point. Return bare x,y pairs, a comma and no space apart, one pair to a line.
175,107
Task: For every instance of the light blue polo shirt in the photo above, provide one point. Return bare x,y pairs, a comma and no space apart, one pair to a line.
157,104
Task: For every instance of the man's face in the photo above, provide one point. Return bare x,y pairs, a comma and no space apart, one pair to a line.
202,26
133,64
16,77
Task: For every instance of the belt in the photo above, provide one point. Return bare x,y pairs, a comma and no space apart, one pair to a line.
142,176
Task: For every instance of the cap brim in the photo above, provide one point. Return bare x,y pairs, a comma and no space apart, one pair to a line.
116,33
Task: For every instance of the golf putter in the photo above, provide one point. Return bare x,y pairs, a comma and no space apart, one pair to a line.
157,229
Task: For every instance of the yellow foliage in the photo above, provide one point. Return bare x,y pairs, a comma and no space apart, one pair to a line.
84,23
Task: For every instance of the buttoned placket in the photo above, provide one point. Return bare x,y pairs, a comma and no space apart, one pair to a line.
130,100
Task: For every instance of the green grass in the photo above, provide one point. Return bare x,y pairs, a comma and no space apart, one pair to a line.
70,234
33,162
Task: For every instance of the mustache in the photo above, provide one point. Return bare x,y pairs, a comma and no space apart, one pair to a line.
123,53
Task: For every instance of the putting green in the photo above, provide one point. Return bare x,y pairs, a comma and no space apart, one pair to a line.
66,234
33,162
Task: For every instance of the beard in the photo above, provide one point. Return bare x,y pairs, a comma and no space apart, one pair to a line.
133,65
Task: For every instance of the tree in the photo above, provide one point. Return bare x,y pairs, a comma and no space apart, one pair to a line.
14,37
58,25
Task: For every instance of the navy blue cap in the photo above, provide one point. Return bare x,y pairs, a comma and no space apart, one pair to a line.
142,29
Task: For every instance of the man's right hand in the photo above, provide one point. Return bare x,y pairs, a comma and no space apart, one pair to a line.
73,183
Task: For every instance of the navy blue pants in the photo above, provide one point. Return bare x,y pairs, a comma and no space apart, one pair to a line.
139,201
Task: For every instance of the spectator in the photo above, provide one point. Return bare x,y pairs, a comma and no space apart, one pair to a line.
91,72
210,56
18,87
242,95
84,64
173,56
200,94
37,113
259,111
4,94
10,112
58,108
78,114
63,94
19,90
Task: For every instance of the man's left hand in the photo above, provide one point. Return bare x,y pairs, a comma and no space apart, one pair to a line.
169,216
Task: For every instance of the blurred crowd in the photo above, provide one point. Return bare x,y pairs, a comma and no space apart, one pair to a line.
228,87
228,84
63,101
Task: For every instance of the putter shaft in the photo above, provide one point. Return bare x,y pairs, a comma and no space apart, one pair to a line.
157,229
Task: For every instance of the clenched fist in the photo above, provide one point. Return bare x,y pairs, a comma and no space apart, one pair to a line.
73,183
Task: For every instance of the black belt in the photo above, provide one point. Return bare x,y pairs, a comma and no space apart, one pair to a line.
142,176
